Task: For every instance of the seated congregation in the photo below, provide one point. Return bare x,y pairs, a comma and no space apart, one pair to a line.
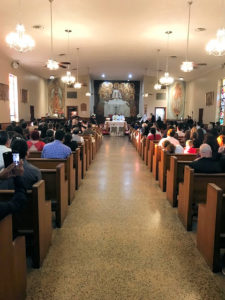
188,161
35,194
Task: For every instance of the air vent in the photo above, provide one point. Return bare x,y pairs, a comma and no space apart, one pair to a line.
199,29
38,27
202,64
62,54
173,56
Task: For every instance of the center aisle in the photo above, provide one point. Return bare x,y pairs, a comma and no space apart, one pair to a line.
122,240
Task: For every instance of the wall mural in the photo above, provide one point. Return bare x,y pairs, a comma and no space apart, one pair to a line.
175,100
116,97
56,97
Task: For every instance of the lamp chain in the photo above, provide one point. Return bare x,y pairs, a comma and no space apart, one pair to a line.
188,32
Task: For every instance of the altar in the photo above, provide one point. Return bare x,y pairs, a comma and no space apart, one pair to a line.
117,128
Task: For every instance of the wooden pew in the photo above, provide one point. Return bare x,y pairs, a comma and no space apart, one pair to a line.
147,143
155,161
175,175
151,152
12,263
164,165
35,221
193,191
78,167
56,190
143,143
83,159
70,174
211,226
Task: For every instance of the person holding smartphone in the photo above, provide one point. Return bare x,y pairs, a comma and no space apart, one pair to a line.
19,198
31,174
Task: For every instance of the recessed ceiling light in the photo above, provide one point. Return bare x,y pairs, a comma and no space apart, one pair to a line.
52,77
200,29
130,76
103,75
38,26
181,78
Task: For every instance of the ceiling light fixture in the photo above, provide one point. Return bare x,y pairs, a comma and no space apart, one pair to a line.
51,63
19,40
216,46
187,66
130,76
88,94
68,78
167,79
103,75
157,86
77,84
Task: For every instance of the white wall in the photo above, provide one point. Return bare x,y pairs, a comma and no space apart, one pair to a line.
37,92
195,95
81,97
151,101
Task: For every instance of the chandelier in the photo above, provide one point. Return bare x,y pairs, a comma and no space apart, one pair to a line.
77,84
19,40
187,66
167,79
157,86
68,78
217,46
51,63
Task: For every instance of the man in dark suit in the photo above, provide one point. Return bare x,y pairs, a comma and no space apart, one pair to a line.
206,164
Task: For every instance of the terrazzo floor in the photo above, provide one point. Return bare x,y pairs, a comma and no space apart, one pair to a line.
122,240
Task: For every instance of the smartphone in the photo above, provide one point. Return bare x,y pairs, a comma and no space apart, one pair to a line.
16,158
8,158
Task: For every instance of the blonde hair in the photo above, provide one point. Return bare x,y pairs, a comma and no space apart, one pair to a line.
189,143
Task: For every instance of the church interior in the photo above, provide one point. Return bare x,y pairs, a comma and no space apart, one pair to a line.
112,150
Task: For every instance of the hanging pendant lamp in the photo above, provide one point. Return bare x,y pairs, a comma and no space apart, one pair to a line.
51,63
216,46
77,84
157,86
19,40
187,66
167,79
68,78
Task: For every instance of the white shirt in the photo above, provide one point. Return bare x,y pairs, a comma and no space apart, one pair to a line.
3,149
77,138
171,139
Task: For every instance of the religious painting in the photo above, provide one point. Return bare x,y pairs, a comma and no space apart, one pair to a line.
209,98
56,98
175,100
4,92
24,96
116,97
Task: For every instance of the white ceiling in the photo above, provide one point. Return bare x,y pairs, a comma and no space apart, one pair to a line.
115,37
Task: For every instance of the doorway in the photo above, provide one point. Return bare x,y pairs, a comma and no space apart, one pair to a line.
31,112
200,115
160,112
72,111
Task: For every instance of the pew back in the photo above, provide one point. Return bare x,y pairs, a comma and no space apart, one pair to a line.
35,221
12,263
175,175
193,191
